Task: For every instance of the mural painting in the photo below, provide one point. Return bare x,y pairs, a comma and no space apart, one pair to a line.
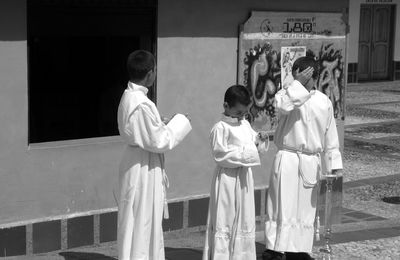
271,42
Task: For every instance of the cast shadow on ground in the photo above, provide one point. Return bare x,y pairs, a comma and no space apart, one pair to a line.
170,254
182,254
85,256
196,254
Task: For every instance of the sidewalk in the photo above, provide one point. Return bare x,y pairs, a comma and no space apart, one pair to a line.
370,227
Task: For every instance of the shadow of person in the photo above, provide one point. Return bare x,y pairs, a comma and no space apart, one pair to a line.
182,254
85,256
170,254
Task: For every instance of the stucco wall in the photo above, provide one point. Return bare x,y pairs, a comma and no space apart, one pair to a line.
197,61
354,21
37,181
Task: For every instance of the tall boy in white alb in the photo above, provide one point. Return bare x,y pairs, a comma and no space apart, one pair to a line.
142,178
306,130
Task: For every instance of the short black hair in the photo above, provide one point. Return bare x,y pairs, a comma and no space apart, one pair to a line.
139,63
237,94
303,63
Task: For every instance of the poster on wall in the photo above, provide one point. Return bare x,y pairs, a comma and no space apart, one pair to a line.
269,42
288,56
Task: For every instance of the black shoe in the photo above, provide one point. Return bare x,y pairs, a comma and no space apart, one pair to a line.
298,256
271,255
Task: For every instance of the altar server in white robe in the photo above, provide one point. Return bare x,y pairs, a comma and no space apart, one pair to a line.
142,178
305,135
235,147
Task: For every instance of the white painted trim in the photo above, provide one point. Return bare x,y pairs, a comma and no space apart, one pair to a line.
187,198
58,217
279,36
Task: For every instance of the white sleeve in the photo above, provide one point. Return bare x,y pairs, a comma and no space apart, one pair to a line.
333,157
292,96
144,129
231,156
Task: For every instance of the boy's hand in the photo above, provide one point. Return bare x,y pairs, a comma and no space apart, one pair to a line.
165,120
337,172
304,76
263,136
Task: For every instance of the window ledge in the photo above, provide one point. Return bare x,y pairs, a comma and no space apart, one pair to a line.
76,142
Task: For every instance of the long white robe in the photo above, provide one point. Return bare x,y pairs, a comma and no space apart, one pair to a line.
142,179
230,231
305,135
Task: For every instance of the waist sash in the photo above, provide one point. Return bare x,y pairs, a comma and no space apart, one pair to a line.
306,181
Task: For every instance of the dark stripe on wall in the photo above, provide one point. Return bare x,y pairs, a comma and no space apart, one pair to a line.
13,241
46,236
396,70
198,210
80,231
108,226
175,220
352,73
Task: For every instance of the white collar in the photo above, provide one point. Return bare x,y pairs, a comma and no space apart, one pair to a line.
135,87
230,119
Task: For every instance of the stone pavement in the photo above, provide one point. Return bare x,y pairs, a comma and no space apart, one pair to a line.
369,228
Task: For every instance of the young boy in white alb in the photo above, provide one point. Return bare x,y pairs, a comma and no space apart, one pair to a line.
235,146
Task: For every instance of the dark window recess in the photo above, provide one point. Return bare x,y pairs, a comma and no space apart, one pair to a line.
77,73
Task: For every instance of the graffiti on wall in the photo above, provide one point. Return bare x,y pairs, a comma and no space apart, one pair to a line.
263,66
330,80
269,44
262,75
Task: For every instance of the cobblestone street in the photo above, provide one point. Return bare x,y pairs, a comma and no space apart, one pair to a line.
370,227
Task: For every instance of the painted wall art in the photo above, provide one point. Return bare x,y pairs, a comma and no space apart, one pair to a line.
270,42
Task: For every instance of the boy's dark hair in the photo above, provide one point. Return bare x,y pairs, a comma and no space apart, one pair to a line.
139,63
237,94
303,63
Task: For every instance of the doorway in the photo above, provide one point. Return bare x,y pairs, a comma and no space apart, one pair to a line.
375,42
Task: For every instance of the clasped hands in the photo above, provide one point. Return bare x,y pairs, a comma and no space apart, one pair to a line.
263,136
165,119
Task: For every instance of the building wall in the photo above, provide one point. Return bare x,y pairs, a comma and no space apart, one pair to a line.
197,61
43,180
354,22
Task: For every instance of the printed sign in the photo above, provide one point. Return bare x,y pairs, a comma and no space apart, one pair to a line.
288,56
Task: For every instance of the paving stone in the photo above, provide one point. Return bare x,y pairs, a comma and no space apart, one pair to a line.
360,166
